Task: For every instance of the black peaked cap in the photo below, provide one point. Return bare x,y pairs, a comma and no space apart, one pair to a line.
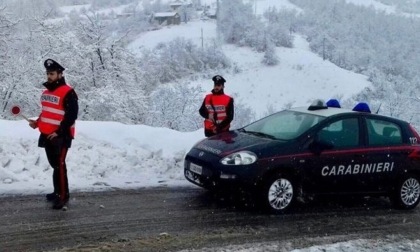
218,79
52,65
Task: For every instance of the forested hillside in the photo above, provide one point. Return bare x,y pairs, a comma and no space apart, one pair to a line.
384,47
114,84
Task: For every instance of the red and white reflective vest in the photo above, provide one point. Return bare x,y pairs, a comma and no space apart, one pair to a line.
53,110
219,103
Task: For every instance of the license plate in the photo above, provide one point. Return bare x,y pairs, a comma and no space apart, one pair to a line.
196,168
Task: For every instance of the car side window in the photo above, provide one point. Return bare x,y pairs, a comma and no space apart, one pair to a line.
342,133
382,132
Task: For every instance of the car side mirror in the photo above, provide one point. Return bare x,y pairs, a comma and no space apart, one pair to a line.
318,146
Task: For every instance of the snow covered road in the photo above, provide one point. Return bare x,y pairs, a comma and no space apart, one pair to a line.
191,219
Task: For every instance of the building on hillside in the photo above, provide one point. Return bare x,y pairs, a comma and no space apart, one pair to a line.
125,15
211,13
176,5
167,18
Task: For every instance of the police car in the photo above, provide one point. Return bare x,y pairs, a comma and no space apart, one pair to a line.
309,151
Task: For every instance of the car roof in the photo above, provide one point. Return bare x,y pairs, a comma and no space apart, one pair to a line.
326,112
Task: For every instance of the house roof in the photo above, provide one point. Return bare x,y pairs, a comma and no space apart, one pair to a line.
212,12
165,14
179,3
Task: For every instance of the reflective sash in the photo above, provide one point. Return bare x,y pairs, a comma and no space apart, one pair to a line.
216,106
53,110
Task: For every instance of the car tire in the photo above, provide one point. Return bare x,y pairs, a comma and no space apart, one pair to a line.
278,194
407,192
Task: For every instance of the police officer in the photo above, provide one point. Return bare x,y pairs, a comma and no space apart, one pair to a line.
56,124
217,109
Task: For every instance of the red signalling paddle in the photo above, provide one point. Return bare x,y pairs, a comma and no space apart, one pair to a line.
15,110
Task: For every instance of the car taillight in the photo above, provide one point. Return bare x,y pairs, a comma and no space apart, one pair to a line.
415,154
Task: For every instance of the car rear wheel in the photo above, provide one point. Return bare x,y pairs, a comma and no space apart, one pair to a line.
278,194
407,192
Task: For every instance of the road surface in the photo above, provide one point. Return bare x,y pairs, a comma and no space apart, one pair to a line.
173,219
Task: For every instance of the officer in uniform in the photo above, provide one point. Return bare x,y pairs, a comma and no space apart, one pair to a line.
217,109
56,124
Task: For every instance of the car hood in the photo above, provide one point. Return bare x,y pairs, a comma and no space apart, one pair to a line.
233,141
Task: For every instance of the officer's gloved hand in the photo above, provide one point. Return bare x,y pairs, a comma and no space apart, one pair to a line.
217,129
210,117
33,124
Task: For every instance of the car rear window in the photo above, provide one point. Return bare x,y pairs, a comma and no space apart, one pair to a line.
381,132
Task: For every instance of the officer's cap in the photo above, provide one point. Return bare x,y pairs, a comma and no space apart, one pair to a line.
52,65
218,80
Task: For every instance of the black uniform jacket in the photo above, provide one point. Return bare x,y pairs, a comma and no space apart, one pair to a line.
71,109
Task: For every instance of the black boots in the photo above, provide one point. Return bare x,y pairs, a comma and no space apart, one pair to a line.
51,196
58,203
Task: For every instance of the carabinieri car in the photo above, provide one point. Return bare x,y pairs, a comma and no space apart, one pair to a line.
310,151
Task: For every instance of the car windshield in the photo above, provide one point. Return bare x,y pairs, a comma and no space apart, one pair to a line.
284,125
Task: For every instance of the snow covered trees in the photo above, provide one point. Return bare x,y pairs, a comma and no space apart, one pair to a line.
111,86
364,40
238,25
10,75
176,107
270,57
99,65
111,82
105,74
179,58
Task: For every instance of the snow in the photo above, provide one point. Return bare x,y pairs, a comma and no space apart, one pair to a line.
108,155
87,7
262,5
105,155
191,30
375,4
75,8
165,14
391,244
299,72
299,76
111,155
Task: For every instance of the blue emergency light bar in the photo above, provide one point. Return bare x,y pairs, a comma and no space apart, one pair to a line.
333,103
362,107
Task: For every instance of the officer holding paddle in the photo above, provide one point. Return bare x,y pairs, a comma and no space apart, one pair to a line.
56,124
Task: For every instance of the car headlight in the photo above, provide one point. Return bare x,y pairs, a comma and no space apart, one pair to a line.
240,158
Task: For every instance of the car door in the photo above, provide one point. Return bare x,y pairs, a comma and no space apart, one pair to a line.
386,153
333,167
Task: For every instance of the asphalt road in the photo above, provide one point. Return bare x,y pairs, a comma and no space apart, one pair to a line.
172,219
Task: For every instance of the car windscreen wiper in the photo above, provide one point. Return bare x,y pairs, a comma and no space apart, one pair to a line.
261,134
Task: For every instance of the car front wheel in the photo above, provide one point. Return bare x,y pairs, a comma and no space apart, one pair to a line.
278,194
407,192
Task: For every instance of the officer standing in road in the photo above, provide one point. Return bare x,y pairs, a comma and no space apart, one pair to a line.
57,126
217,109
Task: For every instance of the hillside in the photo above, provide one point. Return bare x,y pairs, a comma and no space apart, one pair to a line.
301,76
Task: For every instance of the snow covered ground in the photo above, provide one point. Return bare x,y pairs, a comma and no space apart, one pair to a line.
105,155
109,155
389,244
295,80
375,4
